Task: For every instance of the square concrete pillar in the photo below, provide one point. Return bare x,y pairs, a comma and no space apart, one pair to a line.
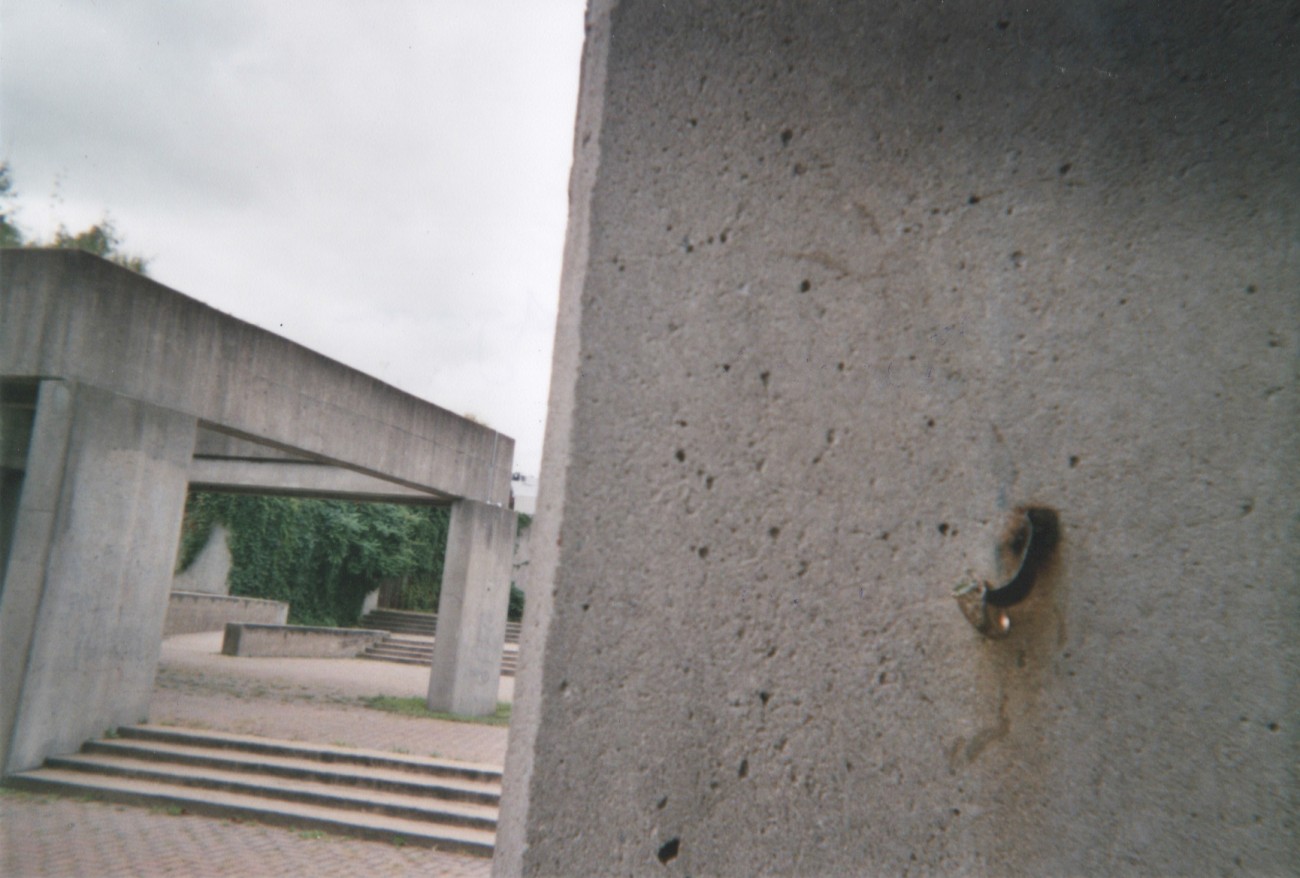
85,589
472,609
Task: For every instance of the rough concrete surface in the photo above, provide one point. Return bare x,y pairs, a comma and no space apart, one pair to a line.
845,285
296,641
472,604
209,572
191,613
82,606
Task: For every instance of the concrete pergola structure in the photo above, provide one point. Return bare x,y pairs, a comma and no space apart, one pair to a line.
118,395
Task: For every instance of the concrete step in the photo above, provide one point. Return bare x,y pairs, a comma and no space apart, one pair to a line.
221,803
322,753
369,793
294,769
409,804
413,622
411,651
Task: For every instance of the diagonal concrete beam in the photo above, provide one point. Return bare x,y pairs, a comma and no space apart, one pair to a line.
78,317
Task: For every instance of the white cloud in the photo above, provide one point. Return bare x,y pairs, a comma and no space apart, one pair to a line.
383,181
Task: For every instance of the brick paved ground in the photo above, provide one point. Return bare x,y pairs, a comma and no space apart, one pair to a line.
315,700
42,837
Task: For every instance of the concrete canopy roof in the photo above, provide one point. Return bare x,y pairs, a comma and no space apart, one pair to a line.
70,315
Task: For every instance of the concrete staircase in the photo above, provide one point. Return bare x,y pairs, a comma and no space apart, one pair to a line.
411,640
419,624
368,793
409,650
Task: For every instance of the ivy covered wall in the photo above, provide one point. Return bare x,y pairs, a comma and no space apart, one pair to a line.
322,556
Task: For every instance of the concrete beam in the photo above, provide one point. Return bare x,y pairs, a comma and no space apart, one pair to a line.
75,316
301,479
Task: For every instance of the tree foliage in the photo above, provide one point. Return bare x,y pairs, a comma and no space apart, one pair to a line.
323,557
320,556
101,239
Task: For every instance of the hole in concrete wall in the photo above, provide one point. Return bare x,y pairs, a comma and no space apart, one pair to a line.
1064,169
668,851
764,377
774,532
680,455
943,528
1074,461
662,803
974,199
704,551
743,770
805,286
786,136
1043,535
765,696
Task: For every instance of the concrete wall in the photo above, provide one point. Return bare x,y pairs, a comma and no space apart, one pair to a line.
190,613
296,641
209,573
845,284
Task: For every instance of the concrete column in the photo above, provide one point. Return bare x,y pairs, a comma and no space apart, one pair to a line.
846,284
472,609
85,590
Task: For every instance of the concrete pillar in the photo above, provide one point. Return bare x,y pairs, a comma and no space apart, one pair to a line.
85,590
847,283
472,609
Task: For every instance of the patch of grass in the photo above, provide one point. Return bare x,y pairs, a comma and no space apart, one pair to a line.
415,707
311,834
24,795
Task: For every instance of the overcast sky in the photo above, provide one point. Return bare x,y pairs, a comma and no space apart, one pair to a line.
384,181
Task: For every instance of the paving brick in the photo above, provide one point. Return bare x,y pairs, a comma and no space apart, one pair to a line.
307,700
46,838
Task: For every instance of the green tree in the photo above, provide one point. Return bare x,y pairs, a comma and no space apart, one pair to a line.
100,239
10,234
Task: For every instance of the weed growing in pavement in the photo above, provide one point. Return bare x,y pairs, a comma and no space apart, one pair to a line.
415,707
24,796
311,834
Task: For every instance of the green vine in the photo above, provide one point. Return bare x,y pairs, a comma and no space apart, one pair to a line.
321,556
324,556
